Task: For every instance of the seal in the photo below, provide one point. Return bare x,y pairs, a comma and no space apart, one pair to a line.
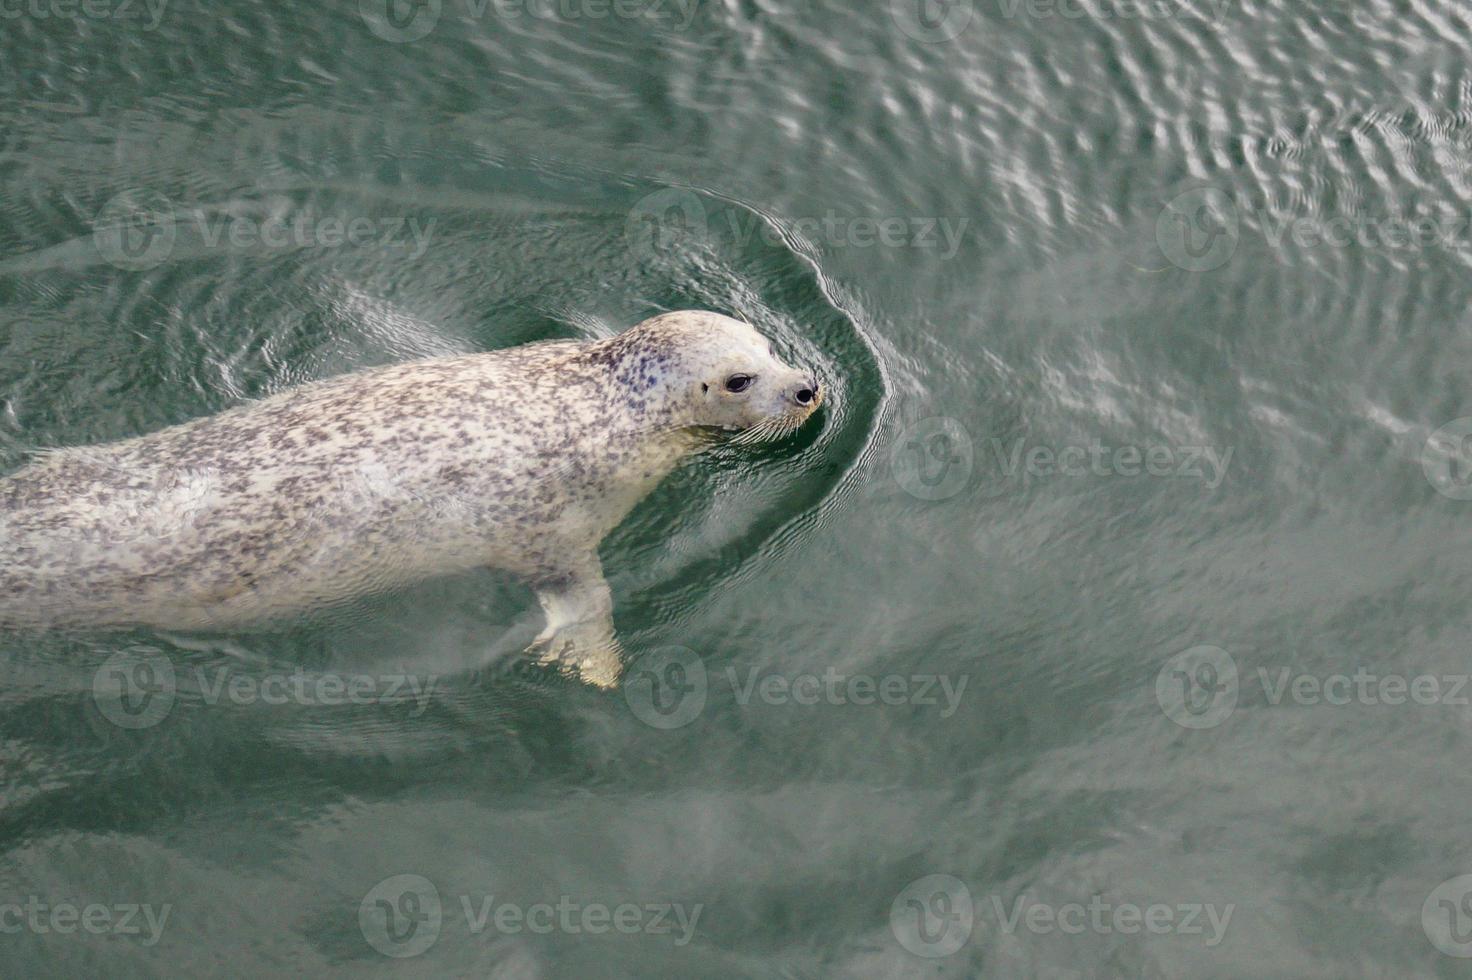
520,459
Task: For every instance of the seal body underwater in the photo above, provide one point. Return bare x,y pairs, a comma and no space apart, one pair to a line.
519,459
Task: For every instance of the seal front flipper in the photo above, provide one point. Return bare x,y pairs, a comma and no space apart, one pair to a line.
579,631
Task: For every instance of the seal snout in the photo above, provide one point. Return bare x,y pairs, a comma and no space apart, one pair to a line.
805,393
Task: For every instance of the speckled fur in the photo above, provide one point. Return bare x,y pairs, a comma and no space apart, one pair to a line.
520,459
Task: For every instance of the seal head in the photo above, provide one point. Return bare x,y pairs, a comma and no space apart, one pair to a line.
705,370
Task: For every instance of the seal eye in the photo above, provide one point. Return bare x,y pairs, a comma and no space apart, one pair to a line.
738,382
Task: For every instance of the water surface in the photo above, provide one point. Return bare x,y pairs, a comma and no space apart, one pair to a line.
1142,325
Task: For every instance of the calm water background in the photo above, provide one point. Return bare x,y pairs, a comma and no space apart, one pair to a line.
1050,261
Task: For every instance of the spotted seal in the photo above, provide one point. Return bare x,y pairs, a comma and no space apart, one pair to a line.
520,459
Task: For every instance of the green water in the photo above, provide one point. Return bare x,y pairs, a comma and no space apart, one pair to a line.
1109,621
